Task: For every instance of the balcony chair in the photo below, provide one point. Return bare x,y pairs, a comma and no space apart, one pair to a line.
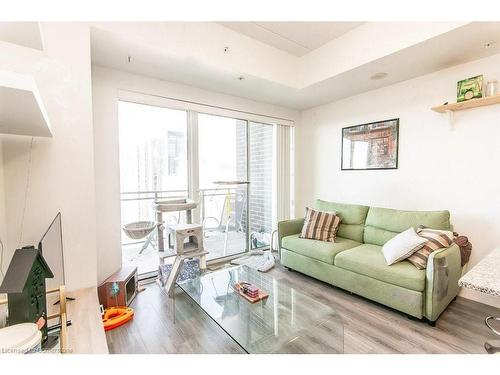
232,211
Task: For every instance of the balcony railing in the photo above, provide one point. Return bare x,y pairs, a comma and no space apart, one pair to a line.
215,206
138,205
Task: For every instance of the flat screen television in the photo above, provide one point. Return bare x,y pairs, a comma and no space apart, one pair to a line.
51,246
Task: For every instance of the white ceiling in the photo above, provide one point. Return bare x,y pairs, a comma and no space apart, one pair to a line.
26,34
461,44
456,47
297,38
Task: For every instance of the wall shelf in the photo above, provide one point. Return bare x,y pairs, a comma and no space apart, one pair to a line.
21,107
473,103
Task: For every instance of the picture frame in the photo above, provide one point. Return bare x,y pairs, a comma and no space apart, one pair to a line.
470,88
370,146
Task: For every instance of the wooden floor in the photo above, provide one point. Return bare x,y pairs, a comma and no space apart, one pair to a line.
369,327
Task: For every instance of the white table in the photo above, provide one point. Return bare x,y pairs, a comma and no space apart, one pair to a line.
484,277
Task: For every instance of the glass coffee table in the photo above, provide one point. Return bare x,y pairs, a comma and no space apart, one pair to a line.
287,321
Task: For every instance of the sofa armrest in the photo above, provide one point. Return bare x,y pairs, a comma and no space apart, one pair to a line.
289,227
442,274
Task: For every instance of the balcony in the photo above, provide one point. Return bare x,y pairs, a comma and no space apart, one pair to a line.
219,209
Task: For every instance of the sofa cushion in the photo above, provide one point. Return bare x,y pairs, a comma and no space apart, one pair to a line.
320,225
436,239
353,218
319,250
384,223
402,245
368,260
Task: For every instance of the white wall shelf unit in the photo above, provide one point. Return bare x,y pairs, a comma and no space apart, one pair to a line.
21,108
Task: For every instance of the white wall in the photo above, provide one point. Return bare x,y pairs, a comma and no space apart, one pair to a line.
105,86
439,167
62,175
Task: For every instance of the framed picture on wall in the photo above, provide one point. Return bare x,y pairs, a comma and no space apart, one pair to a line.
370,146
470,88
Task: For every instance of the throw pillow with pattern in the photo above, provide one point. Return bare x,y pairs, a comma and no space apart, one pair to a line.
436,239
320,225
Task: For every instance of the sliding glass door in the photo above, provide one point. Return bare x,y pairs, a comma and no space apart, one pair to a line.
228,165
237,184
223,184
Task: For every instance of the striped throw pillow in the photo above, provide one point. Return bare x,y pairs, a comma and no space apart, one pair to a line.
436,239
320,225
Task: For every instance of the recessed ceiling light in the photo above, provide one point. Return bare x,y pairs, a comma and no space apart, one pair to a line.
488,45
377,76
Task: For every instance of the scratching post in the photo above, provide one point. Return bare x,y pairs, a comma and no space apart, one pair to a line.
193,248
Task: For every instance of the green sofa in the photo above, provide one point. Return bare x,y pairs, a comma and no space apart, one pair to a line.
355,262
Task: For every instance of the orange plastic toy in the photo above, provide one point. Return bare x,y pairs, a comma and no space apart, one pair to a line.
116,316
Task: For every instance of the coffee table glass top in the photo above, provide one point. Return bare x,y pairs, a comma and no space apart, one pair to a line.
287,321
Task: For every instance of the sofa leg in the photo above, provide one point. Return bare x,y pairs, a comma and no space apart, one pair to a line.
289,269
411,317
432,323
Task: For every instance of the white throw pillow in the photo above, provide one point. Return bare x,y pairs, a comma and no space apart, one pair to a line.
402,246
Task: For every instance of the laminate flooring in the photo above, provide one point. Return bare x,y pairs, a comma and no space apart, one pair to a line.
368,326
